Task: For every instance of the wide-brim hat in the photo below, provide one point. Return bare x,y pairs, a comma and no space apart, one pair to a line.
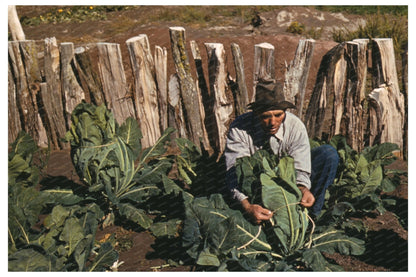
269,96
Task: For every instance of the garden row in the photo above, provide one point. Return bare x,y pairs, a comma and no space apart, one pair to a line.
52,228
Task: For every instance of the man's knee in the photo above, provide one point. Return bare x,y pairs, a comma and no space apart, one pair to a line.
331,154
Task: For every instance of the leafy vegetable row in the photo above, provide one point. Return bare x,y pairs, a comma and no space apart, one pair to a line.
127,184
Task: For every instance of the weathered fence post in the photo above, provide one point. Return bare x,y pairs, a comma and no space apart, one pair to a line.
175,112
324,86
29,51
113,79
14,126
145,96
202,84
223,100
72,91
241,94
263,64
205,100
405,93
338,87
90,80
52,96
296,75
161,63
25,114
352,124
195,124
387,111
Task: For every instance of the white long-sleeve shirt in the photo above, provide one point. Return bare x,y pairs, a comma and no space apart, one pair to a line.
246,136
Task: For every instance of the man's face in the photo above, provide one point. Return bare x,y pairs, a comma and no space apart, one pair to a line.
271,120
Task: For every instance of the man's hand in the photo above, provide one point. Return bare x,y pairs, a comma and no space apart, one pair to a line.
256,212
307,197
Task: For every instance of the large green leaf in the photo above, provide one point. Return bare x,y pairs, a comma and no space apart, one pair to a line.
165,228
371,178
29,260
57,217
158,148
105,258
20,167
24,145
287,215
382,152
336,241
83,251
317,262
208,259
72,234
131,134
62,196
136,215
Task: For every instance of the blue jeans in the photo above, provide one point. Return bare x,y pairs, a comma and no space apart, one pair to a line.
324,168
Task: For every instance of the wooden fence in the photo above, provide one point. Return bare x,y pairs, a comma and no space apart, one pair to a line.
46,81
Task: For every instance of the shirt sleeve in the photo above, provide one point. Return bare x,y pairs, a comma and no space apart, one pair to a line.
236,147
299,149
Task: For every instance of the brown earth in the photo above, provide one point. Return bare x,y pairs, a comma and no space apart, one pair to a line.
138,250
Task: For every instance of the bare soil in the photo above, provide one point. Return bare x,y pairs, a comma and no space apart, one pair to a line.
388,247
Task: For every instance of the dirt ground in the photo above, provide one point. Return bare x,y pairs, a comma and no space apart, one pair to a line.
139,250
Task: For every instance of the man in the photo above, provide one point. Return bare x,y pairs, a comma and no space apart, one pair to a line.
269,125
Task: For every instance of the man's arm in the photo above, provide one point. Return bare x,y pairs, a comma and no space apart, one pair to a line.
307,197
256,212
299,149
237,147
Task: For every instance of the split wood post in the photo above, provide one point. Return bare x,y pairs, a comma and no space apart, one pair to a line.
241,94
352,125
316,112
296,75
205,101
161,61
263,64
202,83
52,96
189,92
72,91
338,86
29,52
14,126
405,93
24,100
113,78
175,112
15,27
90,80
223,100
387,111
24,74
145,94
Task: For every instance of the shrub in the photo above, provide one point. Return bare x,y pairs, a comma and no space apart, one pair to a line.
296,28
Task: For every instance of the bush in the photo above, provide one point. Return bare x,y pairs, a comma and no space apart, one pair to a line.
296,28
